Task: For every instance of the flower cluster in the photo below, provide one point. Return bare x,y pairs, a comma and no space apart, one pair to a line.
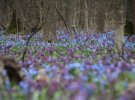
78,68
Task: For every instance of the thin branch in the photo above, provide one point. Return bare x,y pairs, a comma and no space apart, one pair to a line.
62,18
34,31
73,27
2,26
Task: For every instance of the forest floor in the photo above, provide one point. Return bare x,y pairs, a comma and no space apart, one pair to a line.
82,68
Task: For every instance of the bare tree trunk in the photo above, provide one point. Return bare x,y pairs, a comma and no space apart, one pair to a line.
134,14
50,28
119,38
67,12
74,14
81,17
72,18
86,14
101,17
14,25
129,14
119,24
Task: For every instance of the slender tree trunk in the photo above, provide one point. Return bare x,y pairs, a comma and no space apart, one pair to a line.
49,28
119,38
129,14
67,12
73,15
134,14
81,17
14,25
86,14
101,17
119,32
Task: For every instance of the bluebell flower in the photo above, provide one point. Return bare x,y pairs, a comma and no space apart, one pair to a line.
33,71
24,85
68,77
48,69
8,84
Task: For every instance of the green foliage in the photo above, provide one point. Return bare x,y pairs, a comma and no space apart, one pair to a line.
57,95
128,28
120,86
74,71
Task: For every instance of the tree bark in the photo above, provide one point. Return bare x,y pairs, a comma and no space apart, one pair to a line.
134,14
129,28
119,30
86,14
67,12
49,29
81,17
15,25
100,17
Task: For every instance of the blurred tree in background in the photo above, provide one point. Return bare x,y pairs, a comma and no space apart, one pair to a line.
82,15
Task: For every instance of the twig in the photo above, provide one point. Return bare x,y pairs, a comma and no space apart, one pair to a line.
74,29
62,18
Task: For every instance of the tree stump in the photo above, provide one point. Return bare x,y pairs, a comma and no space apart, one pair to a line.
12,70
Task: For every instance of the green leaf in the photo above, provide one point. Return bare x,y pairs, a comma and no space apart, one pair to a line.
120,86
57,95
35,95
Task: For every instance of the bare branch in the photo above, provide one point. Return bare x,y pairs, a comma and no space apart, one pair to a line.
62,18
